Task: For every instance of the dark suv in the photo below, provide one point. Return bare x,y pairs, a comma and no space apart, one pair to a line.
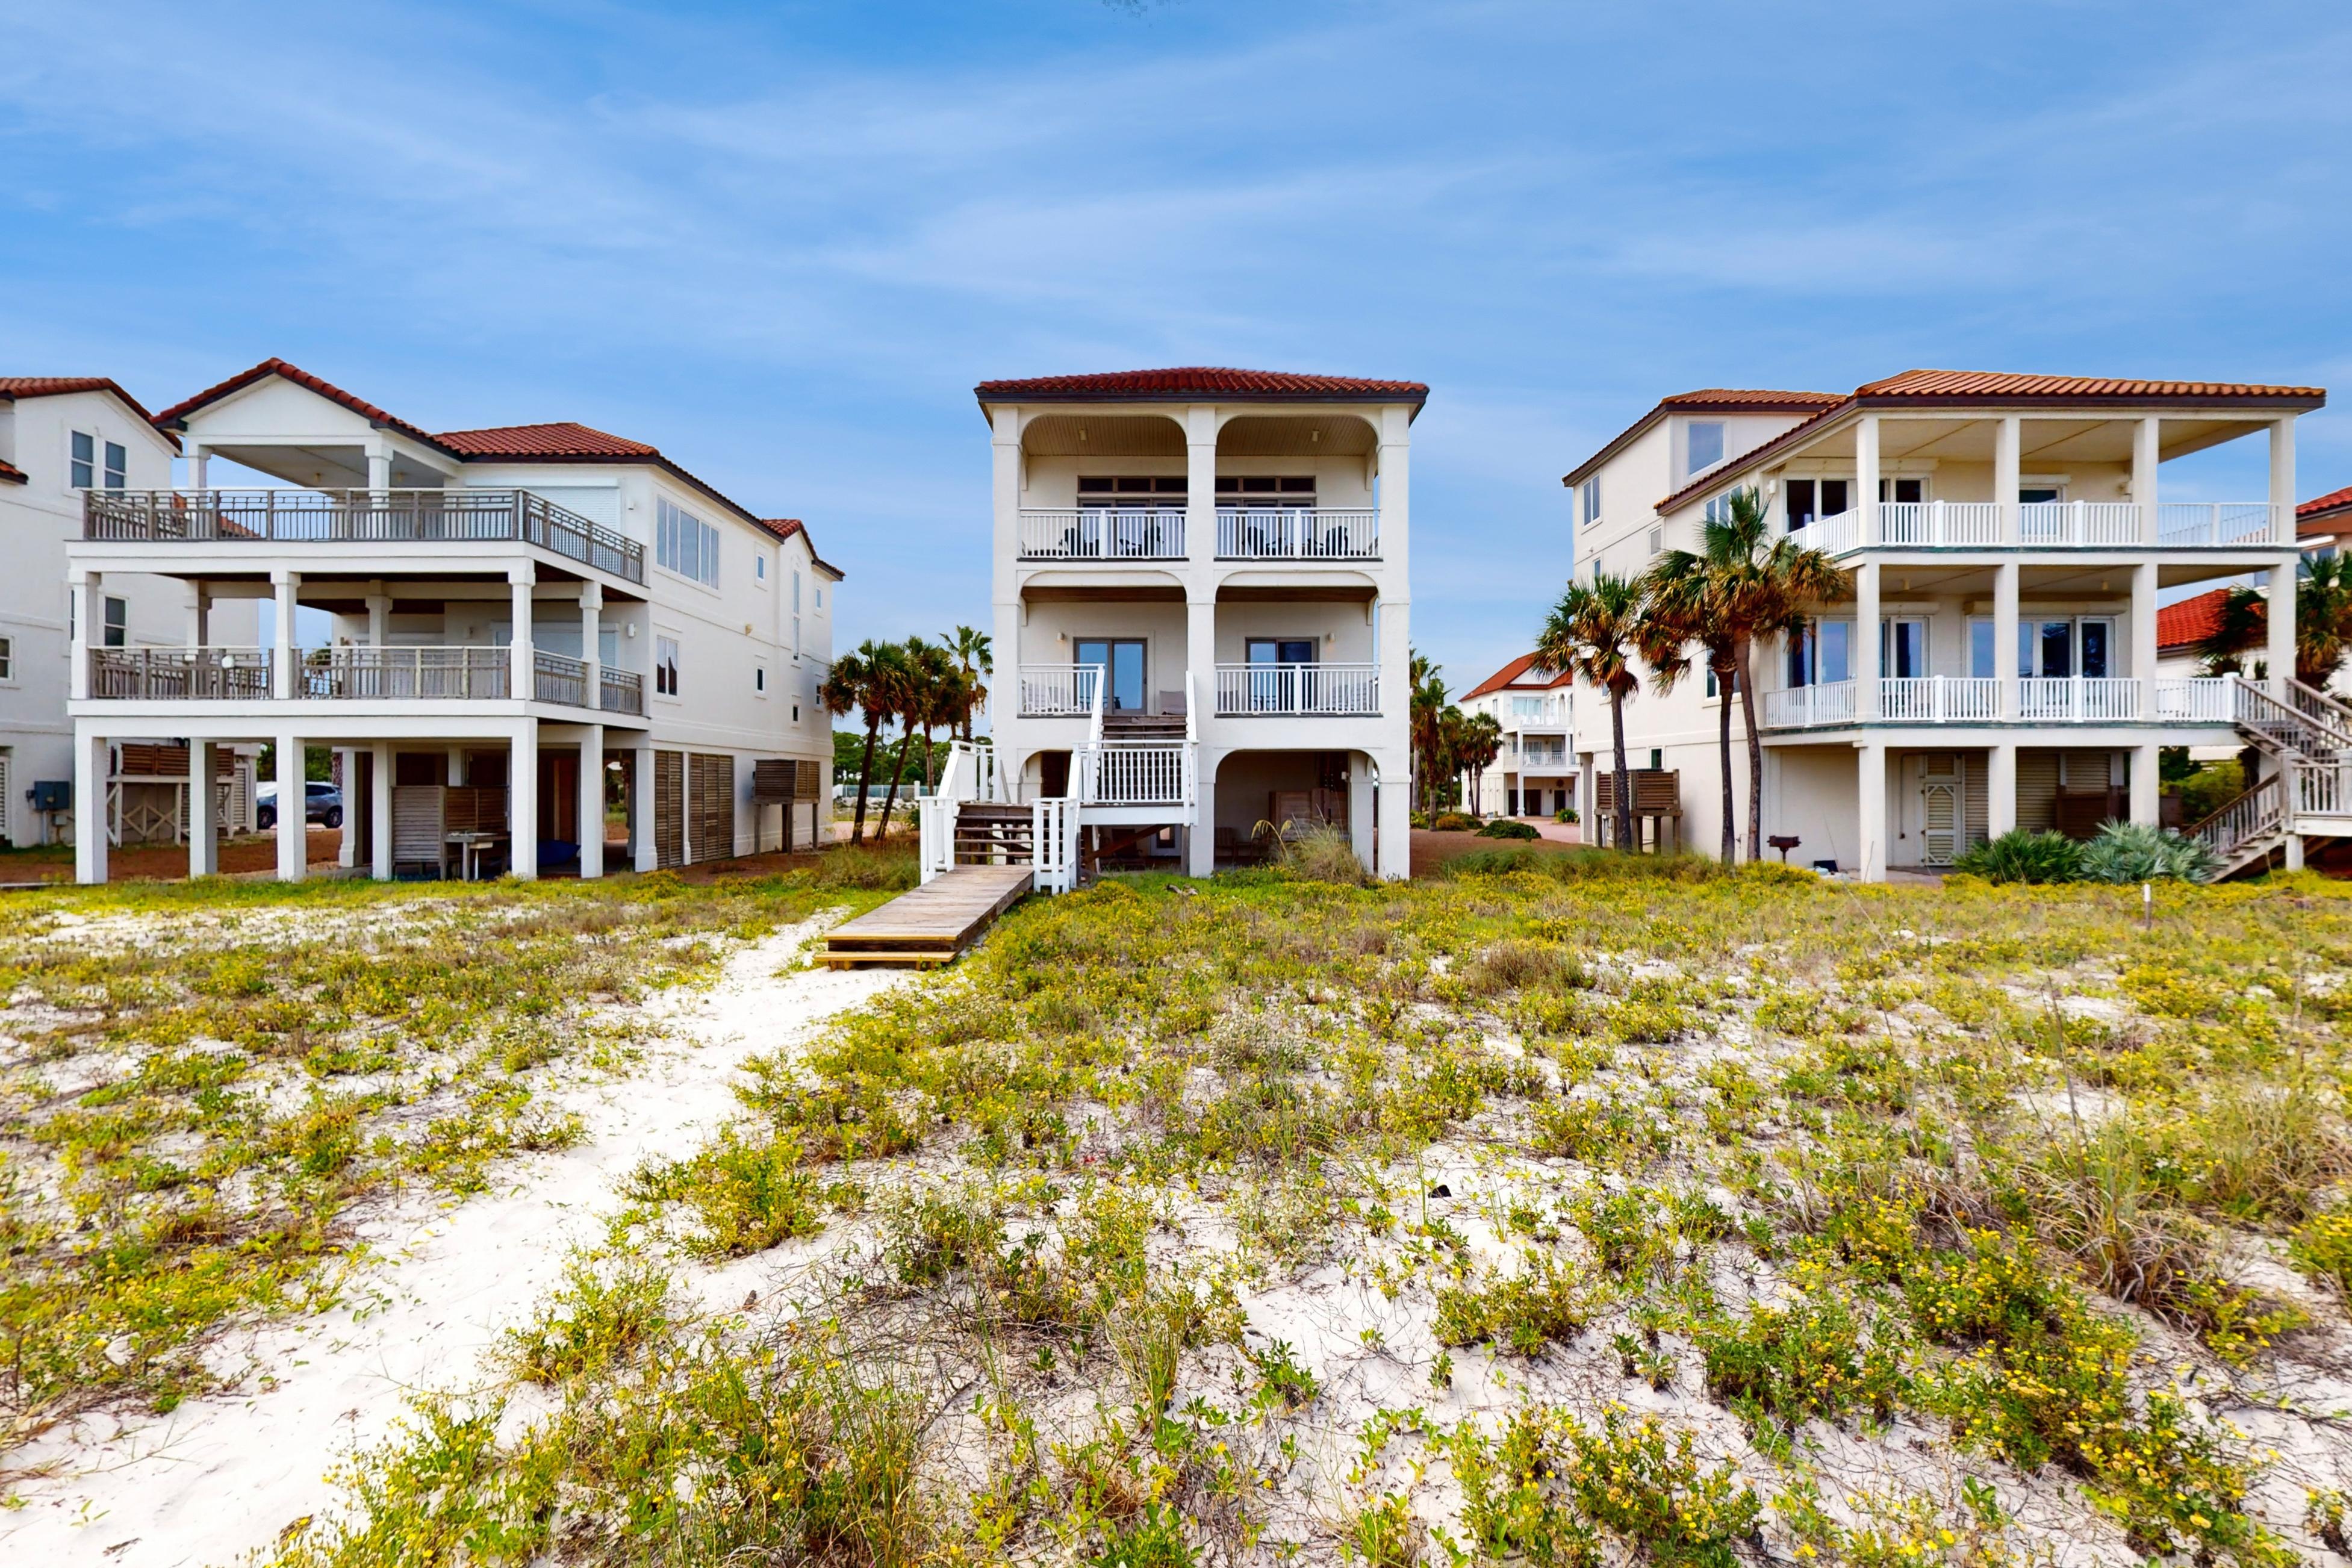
321,802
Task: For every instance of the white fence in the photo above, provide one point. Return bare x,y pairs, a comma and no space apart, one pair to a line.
1834,534
1939,523
1059,690
1299,534
2076,700
2189,524
1137,773
2077,522
2179,525
1800,706
1102,533
1054,823
1938,699
1298,689
1972,699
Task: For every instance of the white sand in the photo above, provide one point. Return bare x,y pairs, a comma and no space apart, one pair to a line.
221,1477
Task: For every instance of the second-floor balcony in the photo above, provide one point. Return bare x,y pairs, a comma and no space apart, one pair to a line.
1159,533
1976,699
1301,690
355,674
363,517
1985,525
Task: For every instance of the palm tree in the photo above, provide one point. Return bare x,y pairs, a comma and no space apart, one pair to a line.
865,679
974,652
2323,623
1743,584
1481,743
1597,632
1687,602
1426,717
925,669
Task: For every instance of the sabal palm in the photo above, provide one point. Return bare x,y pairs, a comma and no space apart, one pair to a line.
974,652
1481,743
1426,721
924,667
868,679
1602,633
2323,623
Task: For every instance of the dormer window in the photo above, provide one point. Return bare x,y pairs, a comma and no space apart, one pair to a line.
1705,445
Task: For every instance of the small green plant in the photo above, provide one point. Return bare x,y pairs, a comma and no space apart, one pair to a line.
1282,1382
1453,822
1546,1301
2141,852
2323,1249
1648,1486
2024,854
1383,1532
1508,828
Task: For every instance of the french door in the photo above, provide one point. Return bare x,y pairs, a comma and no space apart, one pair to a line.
1121,662
1281,675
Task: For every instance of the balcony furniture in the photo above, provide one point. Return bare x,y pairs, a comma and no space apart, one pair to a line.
1102,533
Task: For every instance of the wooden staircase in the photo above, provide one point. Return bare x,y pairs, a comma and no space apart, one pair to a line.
2305,738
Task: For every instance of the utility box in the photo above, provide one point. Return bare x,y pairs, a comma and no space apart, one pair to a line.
51,794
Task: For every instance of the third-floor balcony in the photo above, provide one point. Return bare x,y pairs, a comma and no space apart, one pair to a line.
362,517
1159,533
1991,525
1978,699
466,673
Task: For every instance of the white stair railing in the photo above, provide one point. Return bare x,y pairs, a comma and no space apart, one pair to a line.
935,835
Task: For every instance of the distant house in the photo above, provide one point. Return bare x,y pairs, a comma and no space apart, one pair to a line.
512,613
1536,773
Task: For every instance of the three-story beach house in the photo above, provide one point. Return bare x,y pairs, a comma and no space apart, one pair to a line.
2004,541
1535,774
1202,608
511,614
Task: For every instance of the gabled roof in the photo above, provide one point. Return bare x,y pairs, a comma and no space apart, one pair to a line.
1705,400
175,417
1200,380
2189,621
787,528
2325,514
1509,675
14,387
1999,389
560,442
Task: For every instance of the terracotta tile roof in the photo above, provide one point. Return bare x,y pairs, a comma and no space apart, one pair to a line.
2189,621
1973,388
787,527
561,441
1200,380
15,386
12,473
1509,675
1730,399
2325,514
299,377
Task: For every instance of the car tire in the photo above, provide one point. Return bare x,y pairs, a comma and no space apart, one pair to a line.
265,820
334,818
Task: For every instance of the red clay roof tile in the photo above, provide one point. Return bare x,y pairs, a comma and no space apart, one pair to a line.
2189,621
2322,513
299,377
562,439
1195,381
15,386
1509,675
12,473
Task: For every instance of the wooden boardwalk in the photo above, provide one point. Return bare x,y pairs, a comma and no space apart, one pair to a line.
930,925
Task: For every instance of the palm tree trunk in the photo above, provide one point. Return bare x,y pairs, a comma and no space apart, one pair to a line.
1746,655
865,779
1624,782
898,773
1722,679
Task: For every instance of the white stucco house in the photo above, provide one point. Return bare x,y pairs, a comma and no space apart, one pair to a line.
2004,541
512,611
1202,607
1536,775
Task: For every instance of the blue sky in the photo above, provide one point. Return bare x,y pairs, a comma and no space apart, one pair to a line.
783,240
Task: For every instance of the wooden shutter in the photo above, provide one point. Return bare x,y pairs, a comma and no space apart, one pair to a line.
670,808
2037,788
712,779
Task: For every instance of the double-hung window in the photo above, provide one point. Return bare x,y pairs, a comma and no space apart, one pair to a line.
664,666
1590,513
116,627
686,544
8,658
86,468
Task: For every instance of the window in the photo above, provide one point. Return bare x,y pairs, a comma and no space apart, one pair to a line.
1719,509
1527,707
1705,445
1592,508
1264,491
1903,492
8,658
118,465
2062,648
84,459
1903,647
1657,540
686,544
820,596
1822,654
759,679
117,621
760,567
1811,499
1980,647
1132,492
1121,661
664,666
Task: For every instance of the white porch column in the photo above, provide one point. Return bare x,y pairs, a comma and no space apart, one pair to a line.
379,462
287,589
1201,652
1865,640
347,769
1871,787
1395,816
1865,475
378,615
1363,806
2001,788
88,594
1200,482
518,584
642,850
2004,638
2146,453
380,812
2279,622
2007,444
2293,860
2145,775
592,802
457,776
92,756
204,809
198,456
2143,636
592,605
2283,479
522,801
200,613
293,820
1200,837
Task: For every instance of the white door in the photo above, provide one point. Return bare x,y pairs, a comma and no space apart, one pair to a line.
1941,819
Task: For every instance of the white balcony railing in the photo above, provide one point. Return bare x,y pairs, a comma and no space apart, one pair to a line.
2077,522
2217,524
180,674
1945,522
1102,533
1059,690
1973,699
404,674
1835,534
1299,534
1297,688
1136,772
468,672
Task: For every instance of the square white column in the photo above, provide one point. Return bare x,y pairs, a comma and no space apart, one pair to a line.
1871,791
1865,475
2147,454
2143,636
86,590
1201,655
2283,479
2279,624
522,685
1395,816
2144,776
93,757
2001,788
1200,837
592,606
380,812
1362,808
204,809
522,802
643,850
200,607
2006,445
592,802
2005,578
347,770
285,588
1865,640
1200,482
293,821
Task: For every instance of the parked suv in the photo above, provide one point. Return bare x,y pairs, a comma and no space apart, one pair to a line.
323,804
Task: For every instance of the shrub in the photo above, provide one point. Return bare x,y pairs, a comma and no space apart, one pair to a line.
2024,855
1511,1501
2323,1249
1507,828
1565,814
2212,786
1453,822
1788,1366
1649,1488
1546,1301
2136,852
1321,855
